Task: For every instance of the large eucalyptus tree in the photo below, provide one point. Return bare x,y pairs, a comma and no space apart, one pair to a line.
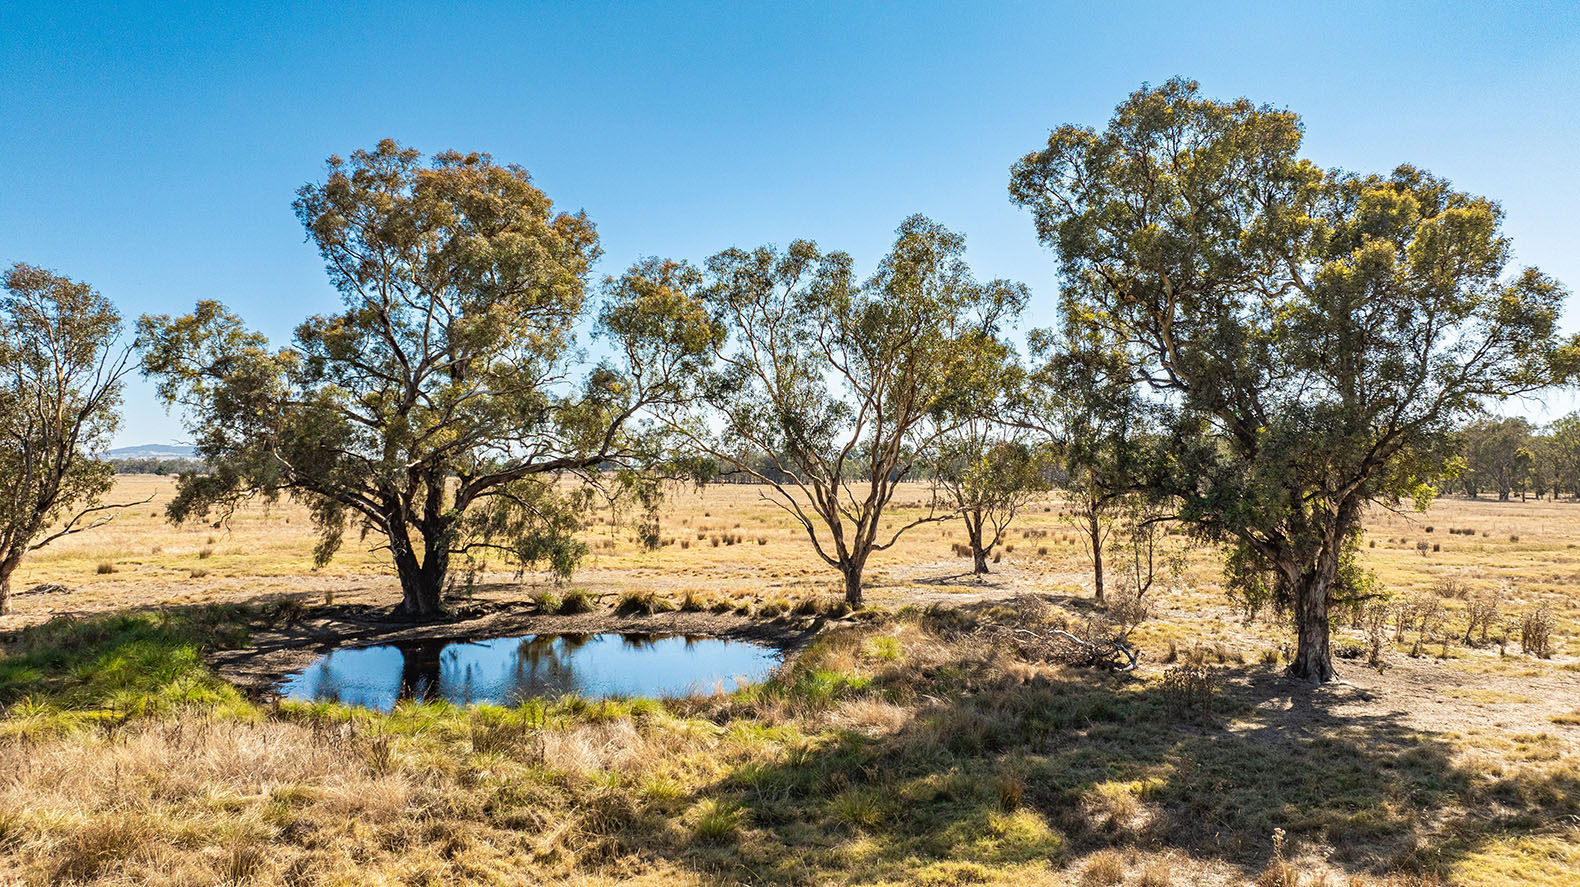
442,407
1310,338
829,391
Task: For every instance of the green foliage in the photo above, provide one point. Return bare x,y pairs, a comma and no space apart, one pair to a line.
1308,339
436,409
822,387
989,473
59,402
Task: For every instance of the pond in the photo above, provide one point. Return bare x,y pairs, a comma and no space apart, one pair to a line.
506,671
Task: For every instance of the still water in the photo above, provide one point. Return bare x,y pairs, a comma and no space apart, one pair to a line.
508,670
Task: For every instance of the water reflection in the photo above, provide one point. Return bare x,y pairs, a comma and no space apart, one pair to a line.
509,670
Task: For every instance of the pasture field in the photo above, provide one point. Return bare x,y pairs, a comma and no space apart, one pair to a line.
896,746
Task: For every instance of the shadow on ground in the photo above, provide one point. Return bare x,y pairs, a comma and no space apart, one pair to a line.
994,769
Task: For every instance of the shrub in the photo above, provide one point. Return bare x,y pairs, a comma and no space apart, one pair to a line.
106,567
1279,873
1481,611
1188,687
1106,867
578,602
642,603
1536,632
1374,625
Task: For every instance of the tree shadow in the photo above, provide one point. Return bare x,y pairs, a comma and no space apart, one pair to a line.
1000,769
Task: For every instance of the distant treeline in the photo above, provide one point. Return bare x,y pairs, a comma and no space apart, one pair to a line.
150,465
1510,458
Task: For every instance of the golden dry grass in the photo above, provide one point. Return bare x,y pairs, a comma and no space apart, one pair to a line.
895,752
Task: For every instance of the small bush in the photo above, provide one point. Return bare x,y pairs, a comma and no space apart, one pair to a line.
1189,687
1481,611
1536,632
1374,625
642,603
1106,868
106,567
578,602
205,553
1279,873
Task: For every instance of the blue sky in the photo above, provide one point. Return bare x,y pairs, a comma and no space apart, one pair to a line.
153,150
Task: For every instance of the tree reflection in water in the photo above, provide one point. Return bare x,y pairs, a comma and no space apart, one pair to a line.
510,670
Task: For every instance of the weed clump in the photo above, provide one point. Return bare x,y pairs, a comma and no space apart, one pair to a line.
643,603
717,821
1536,632
1188,688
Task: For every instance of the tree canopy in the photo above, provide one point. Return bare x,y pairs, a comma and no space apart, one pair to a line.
61,369
1311,338
825,388
441,408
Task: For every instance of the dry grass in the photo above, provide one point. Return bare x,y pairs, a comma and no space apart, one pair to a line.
895,751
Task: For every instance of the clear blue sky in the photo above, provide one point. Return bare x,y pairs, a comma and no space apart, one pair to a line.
153,150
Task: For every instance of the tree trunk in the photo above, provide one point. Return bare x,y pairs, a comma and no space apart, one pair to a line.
5,592
853,586
1096,530
853,566
1313,657
979,565
421,589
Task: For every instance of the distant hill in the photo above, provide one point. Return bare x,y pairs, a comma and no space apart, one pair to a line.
153,451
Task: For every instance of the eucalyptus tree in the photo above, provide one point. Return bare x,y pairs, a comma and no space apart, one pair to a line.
1310,337
990,477
62,366
442,408
1498,456
1564,446
1079,403
825,389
